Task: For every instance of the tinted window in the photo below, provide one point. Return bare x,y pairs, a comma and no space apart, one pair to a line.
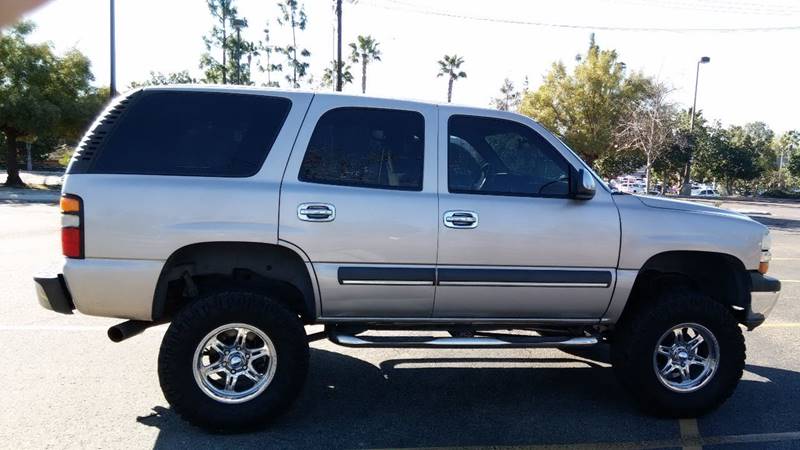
366,147
495,156
193,133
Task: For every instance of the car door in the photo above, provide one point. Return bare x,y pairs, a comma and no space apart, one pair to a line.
512,242
359,199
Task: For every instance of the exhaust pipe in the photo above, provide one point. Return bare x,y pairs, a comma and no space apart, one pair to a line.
130,328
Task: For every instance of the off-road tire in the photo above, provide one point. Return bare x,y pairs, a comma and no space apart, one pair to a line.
634,342
192,323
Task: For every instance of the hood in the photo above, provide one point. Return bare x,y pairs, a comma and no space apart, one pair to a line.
679,205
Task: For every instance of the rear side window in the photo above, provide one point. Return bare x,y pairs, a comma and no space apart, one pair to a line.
366,147
193,133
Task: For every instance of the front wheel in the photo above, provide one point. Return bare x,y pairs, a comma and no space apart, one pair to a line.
681,356
233,360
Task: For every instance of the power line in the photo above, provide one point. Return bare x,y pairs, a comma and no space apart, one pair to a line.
725,7
408,7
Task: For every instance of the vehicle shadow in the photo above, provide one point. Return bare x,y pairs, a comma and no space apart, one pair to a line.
349,403
778,222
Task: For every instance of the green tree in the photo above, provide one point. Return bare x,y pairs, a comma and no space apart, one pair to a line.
41,94
449,66
794,164
788,148
509,97
329,75
365,50
216,70
158,79
728,155
584,107
267,49
294,15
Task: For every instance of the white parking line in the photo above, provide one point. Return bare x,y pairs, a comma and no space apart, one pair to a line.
690,434
52,328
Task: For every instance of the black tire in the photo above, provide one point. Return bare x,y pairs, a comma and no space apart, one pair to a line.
194,322
634,343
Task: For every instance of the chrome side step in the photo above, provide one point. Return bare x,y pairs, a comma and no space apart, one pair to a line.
506,341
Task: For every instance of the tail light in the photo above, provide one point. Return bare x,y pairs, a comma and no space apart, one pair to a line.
72,226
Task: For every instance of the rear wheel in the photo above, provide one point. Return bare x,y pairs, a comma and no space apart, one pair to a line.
680,356
233,360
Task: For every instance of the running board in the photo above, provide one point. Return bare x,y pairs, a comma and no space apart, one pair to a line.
507,341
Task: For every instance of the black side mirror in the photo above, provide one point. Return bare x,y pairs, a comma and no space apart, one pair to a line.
582,185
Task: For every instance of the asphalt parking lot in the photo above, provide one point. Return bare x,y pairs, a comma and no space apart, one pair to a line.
69,386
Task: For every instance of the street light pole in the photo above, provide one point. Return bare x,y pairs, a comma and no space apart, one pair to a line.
686,188
113,81
338,45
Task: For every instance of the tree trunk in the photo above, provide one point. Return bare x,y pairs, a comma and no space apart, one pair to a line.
686,186
449,90
224,45
363,74
664,181
11,160
647,176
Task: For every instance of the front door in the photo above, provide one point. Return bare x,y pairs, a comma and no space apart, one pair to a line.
512,243
359,198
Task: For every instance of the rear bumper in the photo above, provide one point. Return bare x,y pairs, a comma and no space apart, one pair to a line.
764,293
53,294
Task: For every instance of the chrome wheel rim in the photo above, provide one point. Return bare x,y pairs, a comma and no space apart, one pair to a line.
234,363
686,357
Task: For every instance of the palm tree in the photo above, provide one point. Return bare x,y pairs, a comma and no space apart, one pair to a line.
449,66
329,75
365,50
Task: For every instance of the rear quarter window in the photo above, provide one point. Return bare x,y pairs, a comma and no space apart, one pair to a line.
193,134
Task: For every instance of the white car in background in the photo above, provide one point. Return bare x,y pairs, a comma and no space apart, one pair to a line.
705,193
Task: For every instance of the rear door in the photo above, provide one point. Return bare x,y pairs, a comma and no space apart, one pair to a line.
512,243
359,198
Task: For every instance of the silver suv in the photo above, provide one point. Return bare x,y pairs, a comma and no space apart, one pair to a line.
240,215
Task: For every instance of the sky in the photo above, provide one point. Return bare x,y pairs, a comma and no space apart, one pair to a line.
753,75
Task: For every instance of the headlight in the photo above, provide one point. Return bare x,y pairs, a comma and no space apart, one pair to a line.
766,255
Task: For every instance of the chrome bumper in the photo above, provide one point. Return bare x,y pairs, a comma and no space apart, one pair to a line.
764,295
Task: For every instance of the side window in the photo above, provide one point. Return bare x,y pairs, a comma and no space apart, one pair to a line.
507,158
193,133
366,147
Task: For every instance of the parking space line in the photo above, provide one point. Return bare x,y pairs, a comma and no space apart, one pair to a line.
781,325
690,434
52,328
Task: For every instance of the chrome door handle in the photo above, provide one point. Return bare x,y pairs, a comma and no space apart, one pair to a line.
316,212
461,219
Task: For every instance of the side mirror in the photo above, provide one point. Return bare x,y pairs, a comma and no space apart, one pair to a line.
583,185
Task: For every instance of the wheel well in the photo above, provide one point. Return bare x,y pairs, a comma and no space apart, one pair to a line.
210,266
720,276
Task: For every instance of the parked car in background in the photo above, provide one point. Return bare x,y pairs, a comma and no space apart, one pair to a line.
705,193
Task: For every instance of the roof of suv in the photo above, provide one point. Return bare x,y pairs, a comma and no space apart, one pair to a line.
261,90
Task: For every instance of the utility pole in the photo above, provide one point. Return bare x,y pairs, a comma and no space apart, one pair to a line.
338,45
113,81
686,187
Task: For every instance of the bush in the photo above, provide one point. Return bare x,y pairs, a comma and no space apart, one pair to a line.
777,193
